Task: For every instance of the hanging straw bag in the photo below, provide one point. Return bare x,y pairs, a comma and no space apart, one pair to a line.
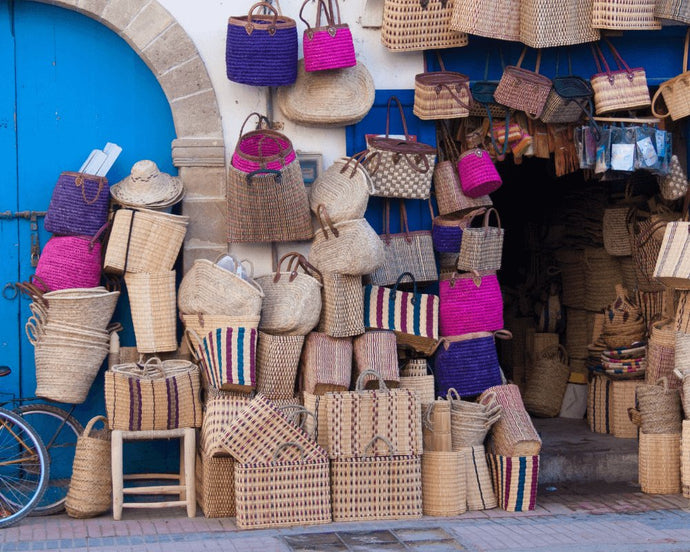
441,94
292,300
618,90
624,15
523,89
406,251
469,303
647,236
343,189
482,248
671,11
544,23
447,231
91,486
570,98
326,364
615,230
400,168
329,46
478,174
672,266
261,50
350,247
262,148
499,19
547,383
78,206
674,185
410,25
342,299
676,91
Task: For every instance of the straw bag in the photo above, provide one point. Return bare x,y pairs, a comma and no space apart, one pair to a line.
478,174
647,236
406,251
499,19
444,490
436,426
672,269
376,351
483,102
482,248
467,363
669,11
152,301
282,493
329,46
470,421
268,205
343,189
68,262
515,481
419,25
400,168
79,205
215,485
412,316
262,148
547,383
660,463
469,303
618,90
152,396
441,94
326,364
292,300
615,230
660,407
544,23
261,50
447,231
342,298
674,185
624,15
661,352
91,486
675,91
371,487
570,98
523,89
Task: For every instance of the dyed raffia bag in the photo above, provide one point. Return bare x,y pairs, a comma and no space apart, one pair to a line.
70,262
79,205
478,174
329,46
470,303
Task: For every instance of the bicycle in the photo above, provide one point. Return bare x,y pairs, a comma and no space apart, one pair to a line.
37,444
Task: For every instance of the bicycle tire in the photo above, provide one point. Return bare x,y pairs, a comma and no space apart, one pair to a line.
12,457
61,454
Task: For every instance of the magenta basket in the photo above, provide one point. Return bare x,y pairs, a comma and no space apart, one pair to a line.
69,262
328,47
478,174
470,303
262,148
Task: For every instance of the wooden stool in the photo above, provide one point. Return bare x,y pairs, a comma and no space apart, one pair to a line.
185,487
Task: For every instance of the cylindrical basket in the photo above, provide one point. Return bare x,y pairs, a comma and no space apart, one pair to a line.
685,458
326,364
660,408
547,383
152,300
659,468
342,299
480,489
661,354
545,24
436,427
277,362
444,492
515,481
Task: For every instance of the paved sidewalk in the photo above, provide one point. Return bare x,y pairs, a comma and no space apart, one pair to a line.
594,518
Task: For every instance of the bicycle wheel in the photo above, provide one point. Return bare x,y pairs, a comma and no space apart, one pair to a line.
58,431
24,467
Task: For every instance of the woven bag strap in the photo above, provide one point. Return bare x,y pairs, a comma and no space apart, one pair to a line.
399,280
440,60
488,214
599,58
92,422
297,260
404,226
402,118
359,385
322,215
357,158
367,449
522,58
451,148
267,8
321,6
281,448
262,118
192,350
79,183
453,395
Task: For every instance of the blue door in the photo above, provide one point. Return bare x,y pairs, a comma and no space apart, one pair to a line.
68,85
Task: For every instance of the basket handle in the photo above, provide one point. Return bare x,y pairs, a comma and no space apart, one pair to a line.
262,118
322,214
453,395
92,422
192,350
399,280
402,117
79,183
281,448
267,7
32,331
153,364
358,159
367,449
488,214
321,6
404,226
359,386
274,172
635,416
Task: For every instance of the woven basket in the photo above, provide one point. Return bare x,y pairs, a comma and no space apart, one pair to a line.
152,300
537,343
282,493
447,230
498,19
659,468
277,361
469,303
376,487
661,353
660,408
671,268
578,334
326,364
624,15
480,490
415,367
685,458
343,189
470,430
571,263
623,398
599,414
91,487
616,232
444,491
423,386
92,307
317,425
436,427
262,148
681,372
647,237
202,324
682,315
547,383
410,25
142,240
602,273
441,94
672,11
628,272
68,262
544,23
221,408
215,485
376,351
342,300
515,481
524,89
482,248
78,205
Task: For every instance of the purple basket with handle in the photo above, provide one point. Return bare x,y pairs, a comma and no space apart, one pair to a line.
79,205
446,230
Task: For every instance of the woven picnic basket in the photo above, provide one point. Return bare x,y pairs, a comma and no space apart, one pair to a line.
444,490
342,304
624,15
152,300
659,464
544,23
215,485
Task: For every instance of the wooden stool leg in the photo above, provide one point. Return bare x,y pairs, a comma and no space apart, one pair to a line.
116,465
182,480
189,458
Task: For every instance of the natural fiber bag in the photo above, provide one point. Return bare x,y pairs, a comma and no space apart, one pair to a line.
292,300
544,23
215,485
327,46
152,396
478,174
675,184
672,11
268,205
569,100
400,168
547,383
406,251
70,262
660,407
624,15
376,351
469,303
436,426
615,230
441,94
482,248
410,25
618,90
470,421
91,486
78,206
599,404
261,50
342,298
523,89
343,189
515,480
499,19
326,364
672,267
262,148
411,315
350,247
480,489
277,361
675,91
647,236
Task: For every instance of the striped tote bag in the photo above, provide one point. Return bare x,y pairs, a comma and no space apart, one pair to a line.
228,358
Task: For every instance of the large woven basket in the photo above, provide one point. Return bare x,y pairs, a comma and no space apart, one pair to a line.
544,23
499,19
92,307
660,408
480,489
659,468
547,383
277,361
422,385
376,350
202,324
436,426
221,408
152,300
444,490
616,231
343,188
571,263
342,299
90,487
215,485
599,415
624,15
602,273
515,481
326,364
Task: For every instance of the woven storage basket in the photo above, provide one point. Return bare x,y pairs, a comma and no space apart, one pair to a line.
602,273
423,386
154,396
282,493
90,487
470,430
262,148
524,89
480,490
469,303
623,398
92,307
685,459
78,205
436,427
447,230
202,324
415,367
215,485
544,23
207,288
624,15
343,189
498,19
152,300
444,490
515,481
142,240
672,12
68,262
373,487
514,434
441,94
410,25
277,361
599,414
342,299
376,351
326,364
482,248
571,263
547,383
537,343
659,468
616,232
661,353
221,408
660,408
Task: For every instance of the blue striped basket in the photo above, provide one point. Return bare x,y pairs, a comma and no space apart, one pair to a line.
515,481
228,358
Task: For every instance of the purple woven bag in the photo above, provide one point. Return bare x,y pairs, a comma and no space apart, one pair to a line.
467,363
261,50
70,262
330,46
446,230
79,206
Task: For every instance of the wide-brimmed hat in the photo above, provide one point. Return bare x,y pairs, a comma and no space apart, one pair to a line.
147,186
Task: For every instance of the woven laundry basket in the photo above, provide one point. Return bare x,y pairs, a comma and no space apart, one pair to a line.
444,491
659,468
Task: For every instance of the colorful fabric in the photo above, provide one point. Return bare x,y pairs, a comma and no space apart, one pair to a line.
229,357
401,311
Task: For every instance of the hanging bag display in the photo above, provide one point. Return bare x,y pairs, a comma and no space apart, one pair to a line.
400,168
469,303
78,206
569,99
261,50
482,248
618,90
523,89
441,94
327,46
478,174
675,91
262,148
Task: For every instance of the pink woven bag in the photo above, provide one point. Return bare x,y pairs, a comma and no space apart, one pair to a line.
70,262
478,174
330,46
469,303
262,148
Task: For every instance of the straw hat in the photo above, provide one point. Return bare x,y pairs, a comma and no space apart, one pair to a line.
147,186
